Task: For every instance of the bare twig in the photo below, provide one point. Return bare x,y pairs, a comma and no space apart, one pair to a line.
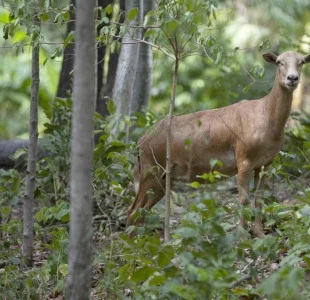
145,42
240,280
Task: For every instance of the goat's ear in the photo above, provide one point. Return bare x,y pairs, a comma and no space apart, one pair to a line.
307,58
270,57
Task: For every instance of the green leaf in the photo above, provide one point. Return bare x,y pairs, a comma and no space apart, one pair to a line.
45,17
64,269
6,31
204,176
124,272
194,184
246,244
187,232
57,17
109,9
117,143
258,70
283,282
187,141
45,61
189,5
211,177
11,16
214,162
132,14
171,26
6,245
15,184
219,175
305,211
66,16
165,256
39,215
219,58
58,52
150,32
111,106
247,88
184,291
152,244
69,38
242,292
157,280
18,153
150,18
143,274
17,21
63,216
5,211
105,20
14,260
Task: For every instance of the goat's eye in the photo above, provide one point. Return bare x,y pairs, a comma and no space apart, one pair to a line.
301,63
279,63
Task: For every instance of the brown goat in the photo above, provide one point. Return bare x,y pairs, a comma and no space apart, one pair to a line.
245,137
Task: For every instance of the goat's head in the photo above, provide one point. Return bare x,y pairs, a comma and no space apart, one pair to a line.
289,67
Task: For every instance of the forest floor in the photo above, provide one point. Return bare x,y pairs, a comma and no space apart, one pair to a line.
225,191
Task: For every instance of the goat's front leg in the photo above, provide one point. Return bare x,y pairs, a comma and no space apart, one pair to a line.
259,182
151,190
244,177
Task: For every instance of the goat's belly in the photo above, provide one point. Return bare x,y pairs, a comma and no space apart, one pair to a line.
227,165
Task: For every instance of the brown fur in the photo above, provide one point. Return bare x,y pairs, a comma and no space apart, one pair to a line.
245,137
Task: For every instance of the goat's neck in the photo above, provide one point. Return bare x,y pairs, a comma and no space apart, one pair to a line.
278,102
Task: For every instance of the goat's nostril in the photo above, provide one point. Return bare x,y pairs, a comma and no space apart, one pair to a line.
292,77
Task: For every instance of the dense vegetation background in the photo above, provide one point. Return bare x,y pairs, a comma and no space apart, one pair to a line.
206,258
243,28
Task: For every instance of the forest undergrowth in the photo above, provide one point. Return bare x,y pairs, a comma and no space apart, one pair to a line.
207,257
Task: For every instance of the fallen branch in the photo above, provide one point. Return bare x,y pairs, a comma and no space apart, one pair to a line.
240,280
9,147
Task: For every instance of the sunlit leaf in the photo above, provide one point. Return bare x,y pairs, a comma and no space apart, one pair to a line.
194,184
132,14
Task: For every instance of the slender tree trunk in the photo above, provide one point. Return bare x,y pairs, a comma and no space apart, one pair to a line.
65,78
111,74
112,64
100,102
143,78
109,81
168,153
80,250
125,75
28,231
